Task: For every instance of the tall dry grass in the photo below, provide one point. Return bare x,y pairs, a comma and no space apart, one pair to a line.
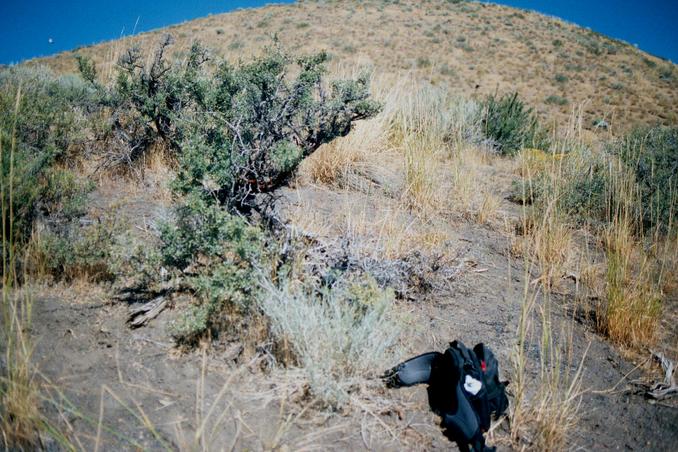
545,408
20,418
633,278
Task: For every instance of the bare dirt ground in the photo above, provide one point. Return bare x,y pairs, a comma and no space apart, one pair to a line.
121,389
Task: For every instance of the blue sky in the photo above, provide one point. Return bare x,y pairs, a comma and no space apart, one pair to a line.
650,24
26,26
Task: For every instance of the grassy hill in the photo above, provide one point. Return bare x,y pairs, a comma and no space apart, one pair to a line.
199,254
472,48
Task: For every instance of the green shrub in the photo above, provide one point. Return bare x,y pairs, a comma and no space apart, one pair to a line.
86,68
257,126
151,98
556,100
511,126
652,155
42,126
221,252
423,62
561,78
86,252
238,131
649,63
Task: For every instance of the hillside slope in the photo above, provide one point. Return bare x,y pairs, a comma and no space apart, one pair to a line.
469,47
168,317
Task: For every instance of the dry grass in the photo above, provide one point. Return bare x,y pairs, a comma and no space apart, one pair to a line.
632,310
545,408
487,209
421,178
20,419
547,228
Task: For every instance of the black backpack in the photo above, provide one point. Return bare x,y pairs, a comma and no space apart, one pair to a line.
465,405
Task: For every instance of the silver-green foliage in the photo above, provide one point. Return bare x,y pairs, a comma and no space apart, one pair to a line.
339,336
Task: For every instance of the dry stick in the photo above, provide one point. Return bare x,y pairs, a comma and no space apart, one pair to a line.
379,420
612,389
101,417
237,434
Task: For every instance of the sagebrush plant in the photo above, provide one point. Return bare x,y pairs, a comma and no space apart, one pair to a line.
239,129
159,92
510,125
258,126
339,335
244,132
217,251
74,252
44,128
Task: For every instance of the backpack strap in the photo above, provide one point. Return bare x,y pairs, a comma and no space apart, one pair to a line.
412,372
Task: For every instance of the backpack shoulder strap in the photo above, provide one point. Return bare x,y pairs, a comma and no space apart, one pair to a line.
413,371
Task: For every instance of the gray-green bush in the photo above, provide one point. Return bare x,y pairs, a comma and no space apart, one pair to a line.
238,131
510,125
42,123
652,155
338,336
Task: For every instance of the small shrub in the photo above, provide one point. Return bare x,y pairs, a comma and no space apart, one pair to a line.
556,100
666,73
649,63
423,62
652,155
557,43
221,251
41,126
86,68
77,252
574,67
447,71
510,125
236,45
257,126
578,184
561,78
339,336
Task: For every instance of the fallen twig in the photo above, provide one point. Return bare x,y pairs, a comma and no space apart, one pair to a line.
668,387
141,315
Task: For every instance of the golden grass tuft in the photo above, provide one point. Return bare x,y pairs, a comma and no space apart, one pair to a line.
632,310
